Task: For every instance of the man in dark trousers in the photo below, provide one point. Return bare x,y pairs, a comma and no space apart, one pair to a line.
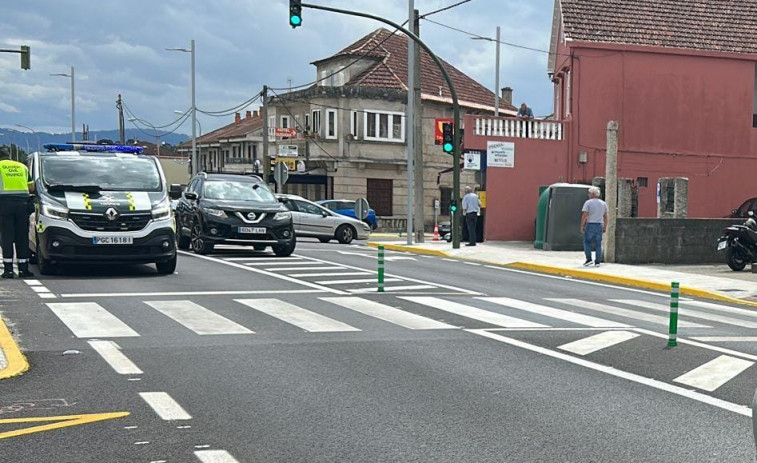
14,214
471,206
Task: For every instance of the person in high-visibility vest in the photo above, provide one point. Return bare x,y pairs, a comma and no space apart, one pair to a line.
15,186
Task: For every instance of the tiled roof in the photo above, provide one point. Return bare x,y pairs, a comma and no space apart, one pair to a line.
390,71
235,129
715,25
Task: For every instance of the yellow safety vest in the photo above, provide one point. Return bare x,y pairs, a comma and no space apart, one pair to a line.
14,178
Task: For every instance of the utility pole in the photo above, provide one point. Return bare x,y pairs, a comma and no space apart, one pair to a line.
120,106
266,158
611,189
496,79
418,214
409,126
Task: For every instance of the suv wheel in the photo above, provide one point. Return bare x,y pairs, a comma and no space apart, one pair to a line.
345,234
197,241
285,250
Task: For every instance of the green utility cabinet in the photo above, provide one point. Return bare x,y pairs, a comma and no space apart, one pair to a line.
541,216
562,224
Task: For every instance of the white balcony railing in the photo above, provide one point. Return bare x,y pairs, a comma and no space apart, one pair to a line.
518,128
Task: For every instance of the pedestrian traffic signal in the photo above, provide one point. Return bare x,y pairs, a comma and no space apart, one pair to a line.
448,138
295,13
453,205
26,58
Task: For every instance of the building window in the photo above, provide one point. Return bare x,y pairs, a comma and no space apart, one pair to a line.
384,126
284,122
642,182
353,123
331,123
568,100
380,192
316,122
307,122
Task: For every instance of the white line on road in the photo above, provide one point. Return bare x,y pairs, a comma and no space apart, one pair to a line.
32,282
297,316
40,289
295,269
684,312
193,293
724,308
554,313
474,313
597,342
260,259
111,353
714,373
269,262
735,408
90,320
325,274
348,282
47,296
197,318
388,314
165,406
609,309
725,338
215,456
390,289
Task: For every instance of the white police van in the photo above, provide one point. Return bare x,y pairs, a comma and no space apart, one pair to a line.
100,204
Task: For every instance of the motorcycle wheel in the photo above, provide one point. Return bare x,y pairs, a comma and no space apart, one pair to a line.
735,260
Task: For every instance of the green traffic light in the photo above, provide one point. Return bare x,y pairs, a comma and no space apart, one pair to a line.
448,147
295,20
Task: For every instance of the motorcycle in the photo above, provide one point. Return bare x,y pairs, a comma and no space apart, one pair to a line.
740,244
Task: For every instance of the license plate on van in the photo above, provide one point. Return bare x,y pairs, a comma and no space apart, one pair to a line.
112,240
255,230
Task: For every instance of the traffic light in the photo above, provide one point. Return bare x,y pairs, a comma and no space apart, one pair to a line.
453,205
26,57
448,138
295,13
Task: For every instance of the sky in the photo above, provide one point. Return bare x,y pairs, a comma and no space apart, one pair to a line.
119,47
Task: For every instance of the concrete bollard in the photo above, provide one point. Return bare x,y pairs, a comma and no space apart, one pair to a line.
673,331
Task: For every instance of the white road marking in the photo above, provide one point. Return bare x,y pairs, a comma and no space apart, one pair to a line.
47,296
704,398
32,282
261,259
390,289
348,282
297,316
597,342
197,318
388,314
90,320
39,289
723,308
609,309
725,338
165,406
714,373
194,293
474,313
336,274
270,262
215,456
472,263
375,256
296,269
554,313
111,353
684,312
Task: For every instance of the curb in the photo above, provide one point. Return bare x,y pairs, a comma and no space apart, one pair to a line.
17,363
581,274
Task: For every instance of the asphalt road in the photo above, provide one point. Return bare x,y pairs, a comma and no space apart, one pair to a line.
242,356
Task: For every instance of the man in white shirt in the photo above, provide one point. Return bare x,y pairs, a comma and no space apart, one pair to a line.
471,206
593,224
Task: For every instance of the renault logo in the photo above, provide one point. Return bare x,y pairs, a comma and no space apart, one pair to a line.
251,216
111,214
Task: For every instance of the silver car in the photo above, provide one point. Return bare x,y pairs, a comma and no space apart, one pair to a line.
314,220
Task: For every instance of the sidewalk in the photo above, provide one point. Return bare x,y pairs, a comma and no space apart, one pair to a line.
712,281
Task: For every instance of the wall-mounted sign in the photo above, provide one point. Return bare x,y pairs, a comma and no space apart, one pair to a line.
287,150
472,161
500,154
288,133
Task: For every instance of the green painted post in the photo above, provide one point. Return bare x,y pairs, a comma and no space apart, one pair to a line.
381,268
673,332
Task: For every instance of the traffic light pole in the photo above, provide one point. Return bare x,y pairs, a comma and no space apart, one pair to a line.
455,108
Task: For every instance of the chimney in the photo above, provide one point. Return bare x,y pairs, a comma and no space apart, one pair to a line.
507,95
237,118
248,116
255,114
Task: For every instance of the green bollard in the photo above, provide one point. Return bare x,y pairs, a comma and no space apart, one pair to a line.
381,268
673,332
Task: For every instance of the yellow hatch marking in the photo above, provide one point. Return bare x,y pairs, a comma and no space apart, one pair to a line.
58,422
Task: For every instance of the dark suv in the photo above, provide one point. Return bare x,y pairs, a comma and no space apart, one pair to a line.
232,209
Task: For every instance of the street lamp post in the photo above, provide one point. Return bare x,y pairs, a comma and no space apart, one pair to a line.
32,130
73,120
181,113
496,71
194,107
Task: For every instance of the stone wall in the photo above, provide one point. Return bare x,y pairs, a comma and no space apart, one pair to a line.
669,241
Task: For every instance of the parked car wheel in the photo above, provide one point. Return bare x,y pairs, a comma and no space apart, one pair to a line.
181,241
345,234
199,245
735,260
285,250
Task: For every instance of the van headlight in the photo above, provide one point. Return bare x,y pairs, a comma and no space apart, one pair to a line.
282,216
161,210
54,211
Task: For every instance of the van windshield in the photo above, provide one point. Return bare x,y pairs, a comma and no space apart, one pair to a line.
116,173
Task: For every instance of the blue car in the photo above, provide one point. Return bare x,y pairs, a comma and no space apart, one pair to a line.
347,207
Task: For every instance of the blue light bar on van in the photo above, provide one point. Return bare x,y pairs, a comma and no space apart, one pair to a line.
93,148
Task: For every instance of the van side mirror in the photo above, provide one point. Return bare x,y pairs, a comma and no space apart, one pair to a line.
190,195
174,191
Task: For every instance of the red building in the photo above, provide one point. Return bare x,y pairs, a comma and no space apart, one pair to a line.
677,75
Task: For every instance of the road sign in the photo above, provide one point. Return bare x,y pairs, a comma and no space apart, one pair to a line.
472,161
291,163
285,133
280,174
287,150
361,208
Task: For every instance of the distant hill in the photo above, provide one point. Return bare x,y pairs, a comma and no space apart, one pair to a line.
20,137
